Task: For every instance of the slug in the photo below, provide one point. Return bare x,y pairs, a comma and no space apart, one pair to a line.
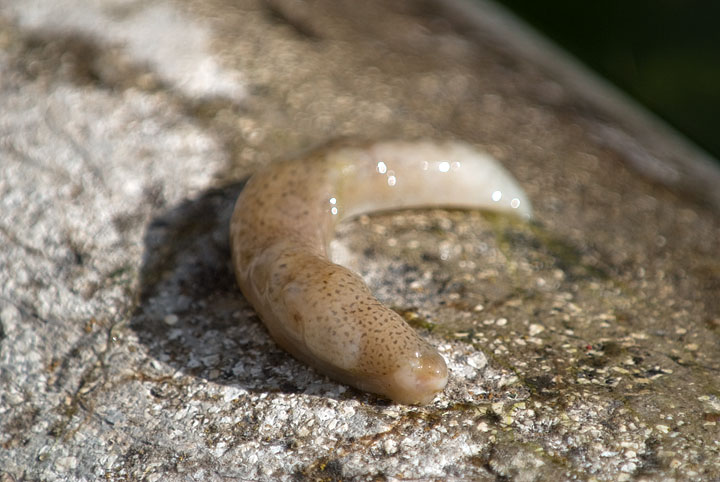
323,313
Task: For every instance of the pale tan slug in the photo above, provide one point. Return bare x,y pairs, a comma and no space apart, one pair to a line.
321,312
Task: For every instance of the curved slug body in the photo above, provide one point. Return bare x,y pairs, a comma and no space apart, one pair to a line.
322,313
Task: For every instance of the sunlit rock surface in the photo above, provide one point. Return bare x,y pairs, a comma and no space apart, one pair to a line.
583,345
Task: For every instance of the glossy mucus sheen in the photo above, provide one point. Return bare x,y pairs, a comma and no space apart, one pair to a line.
323,313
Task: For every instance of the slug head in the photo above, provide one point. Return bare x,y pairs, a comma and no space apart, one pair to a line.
418,378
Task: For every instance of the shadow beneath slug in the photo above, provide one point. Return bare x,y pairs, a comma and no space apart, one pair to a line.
193,317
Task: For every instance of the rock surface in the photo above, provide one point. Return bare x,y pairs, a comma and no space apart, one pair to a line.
581,346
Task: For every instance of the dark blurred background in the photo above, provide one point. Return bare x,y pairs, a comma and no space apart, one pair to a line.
664,53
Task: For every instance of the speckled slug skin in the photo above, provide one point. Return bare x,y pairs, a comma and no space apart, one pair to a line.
323,313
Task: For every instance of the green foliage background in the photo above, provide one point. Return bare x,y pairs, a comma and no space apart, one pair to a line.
664,53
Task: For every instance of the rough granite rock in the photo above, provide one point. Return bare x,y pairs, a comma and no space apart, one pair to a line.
583,345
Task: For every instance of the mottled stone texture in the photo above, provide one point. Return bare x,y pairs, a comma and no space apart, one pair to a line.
582,345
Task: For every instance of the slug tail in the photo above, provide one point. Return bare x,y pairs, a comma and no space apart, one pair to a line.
398,175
